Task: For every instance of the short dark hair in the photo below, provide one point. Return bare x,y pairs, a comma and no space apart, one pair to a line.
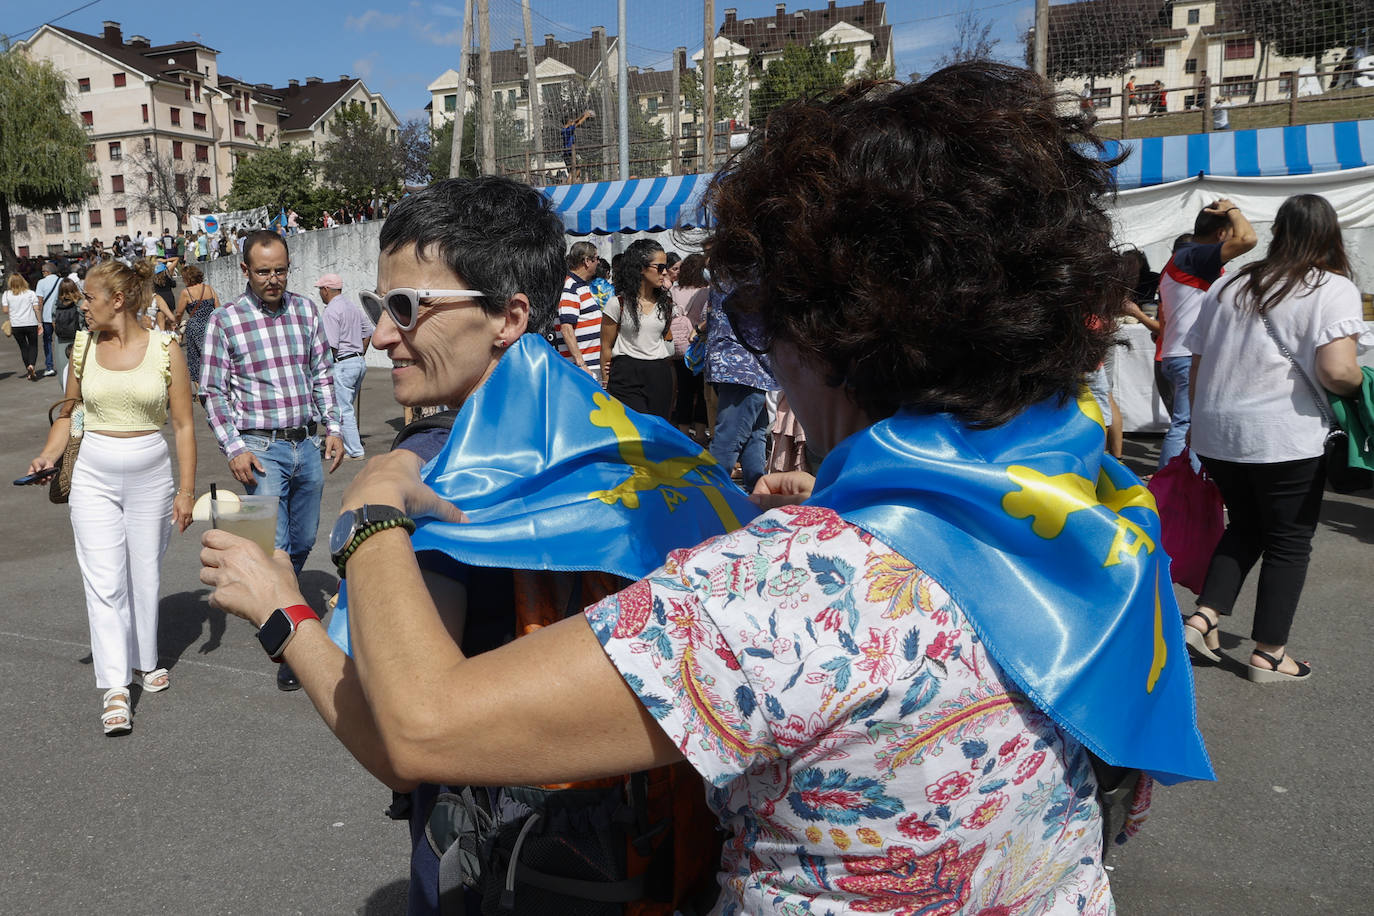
1207,225
261,238
579,252
1184,239
940,246
499,235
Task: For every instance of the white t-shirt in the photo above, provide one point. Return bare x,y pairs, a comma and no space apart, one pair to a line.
647,342
23,308
1187,276
1249,403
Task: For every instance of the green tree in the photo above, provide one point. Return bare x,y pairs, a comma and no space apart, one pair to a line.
360,159
648,144
441,148
874,69
731,83
803,71
511,143
279,178
43,162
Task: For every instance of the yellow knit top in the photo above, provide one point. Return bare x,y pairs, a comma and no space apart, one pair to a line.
124,400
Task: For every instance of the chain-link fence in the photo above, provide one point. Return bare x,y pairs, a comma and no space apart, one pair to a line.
1144,67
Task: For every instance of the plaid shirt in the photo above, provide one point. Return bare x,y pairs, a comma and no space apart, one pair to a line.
265,370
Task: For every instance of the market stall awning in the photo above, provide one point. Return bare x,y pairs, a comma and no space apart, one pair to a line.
637,205
1269,151
674,202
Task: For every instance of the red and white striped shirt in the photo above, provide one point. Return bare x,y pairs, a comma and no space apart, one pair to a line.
579,308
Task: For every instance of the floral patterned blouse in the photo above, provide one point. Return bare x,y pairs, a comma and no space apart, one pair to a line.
861,748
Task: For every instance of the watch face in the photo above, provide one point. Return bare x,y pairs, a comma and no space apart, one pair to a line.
274,633
342,532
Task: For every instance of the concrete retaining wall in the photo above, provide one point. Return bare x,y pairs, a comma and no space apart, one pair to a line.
349,251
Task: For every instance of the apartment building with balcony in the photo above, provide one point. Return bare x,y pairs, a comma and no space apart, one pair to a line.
752,45
556,64
1188,40
137,99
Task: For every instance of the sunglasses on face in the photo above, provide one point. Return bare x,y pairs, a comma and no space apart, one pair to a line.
658,267
403,303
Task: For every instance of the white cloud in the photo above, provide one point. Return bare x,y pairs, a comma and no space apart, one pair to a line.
440,37
442,10
374,19
915,37
364,66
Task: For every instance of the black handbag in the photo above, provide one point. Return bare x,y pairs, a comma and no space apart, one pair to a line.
1341,477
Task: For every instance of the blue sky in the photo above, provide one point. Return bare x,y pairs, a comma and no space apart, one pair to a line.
399,46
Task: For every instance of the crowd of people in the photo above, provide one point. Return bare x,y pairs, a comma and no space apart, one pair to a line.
888,679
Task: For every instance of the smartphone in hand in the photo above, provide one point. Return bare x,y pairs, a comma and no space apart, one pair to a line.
36,477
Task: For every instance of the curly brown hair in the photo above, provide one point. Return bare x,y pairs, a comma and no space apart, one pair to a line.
940,246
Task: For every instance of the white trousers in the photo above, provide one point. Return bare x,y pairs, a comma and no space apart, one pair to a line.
121,503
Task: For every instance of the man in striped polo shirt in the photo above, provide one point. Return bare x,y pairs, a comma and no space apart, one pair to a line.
579,316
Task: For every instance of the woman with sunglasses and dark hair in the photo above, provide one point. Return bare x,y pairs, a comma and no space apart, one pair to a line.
894,688
1264,340
636,331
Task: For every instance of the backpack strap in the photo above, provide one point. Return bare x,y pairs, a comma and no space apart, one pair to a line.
441,420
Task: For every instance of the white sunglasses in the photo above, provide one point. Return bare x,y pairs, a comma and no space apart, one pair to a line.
403,303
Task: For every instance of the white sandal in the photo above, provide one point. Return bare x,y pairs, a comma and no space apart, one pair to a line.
116,706
147,680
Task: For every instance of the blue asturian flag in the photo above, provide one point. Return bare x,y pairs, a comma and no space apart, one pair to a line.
553,473
1052,549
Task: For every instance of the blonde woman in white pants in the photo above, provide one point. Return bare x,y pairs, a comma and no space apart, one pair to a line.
123,501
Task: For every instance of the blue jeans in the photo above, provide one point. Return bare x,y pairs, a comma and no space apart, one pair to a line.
47,345
741,430
348,378
1175,370
295,474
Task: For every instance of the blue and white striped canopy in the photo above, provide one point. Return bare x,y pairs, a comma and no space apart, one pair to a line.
673,202
637,205
1269,151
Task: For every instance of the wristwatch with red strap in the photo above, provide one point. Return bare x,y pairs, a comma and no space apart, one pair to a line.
281,626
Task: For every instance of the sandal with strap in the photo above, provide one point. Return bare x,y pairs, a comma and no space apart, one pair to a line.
1197,639
116,707
1273,675
154,681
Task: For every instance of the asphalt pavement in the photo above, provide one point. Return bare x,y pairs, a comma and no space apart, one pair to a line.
230,797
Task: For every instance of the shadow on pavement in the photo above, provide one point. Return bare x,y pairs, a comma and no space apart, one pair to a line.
1353,519
386,900
182,618
318,587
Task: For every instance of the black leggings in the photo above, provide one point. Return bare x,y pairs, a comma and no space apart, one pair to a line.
27,338
1272,511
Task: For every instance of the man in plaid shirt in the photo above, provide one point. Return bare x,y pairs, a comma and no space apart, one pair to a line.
265,376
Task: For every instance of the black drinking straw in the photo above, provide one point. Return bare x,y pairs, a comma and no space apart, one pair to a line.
214,506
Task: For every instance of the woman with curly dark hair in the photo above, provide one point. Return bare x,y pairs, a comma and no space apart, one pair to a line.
636,331
896,688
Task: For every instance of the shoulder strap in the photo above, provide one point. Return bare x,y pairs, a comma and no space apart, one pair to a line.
52,291
1311,386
